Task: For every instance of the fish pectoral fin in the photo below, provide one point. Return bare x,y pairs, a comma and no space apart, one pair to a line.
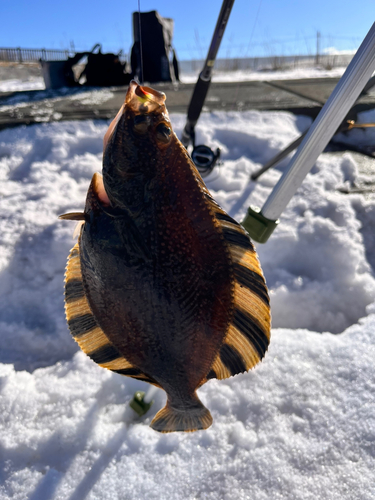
190,417
73,216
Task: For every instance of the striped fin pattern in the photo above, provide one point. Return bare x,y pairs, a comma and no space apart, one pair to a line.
84,328
248,335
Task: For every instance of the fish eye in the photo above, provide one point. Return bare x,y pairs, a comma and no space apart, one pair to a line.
141,123
163,133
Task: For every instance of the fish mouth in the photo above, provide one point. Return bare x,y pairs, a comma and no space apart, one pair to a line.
143,100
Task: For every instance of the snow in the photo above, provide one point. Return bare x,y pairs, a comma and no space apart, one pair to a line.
14,85
301,425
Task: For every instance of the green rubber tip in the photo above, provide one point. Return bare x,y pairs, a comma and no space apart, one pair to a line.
259,227
138,404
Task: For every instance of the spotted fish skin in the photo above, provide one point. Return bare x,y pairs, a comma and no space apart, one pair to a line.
168,281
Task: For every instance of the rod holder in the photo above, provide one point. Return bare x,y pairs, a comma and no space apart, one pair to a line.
138,403
257,225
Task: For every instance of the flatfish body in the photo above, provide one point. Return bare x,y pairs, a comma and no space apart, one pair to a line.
163,285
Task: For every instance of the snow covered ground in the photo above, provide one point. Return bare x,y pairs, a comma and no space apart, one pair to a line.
299,426
36,83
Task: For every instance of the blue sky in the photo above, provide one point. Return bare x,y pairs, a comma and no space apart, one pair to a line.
256,27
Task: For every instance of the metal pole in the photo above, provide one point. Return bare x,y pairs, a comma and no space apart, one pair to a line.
346,125
327,122
278,157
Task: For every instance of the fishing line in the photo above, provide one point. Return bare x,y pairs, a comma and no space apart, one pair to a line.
140,41
247,50
255,23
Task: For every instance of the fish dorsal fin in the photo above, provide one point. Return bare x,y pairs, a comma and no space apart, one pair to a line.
248,335
84,327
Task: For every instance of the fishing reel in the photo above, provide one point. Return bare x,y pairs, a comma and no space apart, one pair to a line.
205,159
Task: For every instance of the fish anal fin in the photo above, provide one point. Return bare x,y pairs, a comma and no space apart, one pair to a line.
230,360
238,342
252,304
248,334
219,370
246,259
244,347
83,326
188,418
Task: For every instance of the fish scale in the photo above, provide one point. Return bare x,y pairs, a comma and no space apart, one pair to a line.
163,285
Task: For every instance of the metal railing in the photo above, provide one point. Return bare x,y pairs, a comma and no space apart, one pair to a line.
19,55
326,61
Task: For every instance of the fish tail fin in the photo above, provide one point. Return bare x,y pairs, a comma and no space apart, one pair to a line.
185,418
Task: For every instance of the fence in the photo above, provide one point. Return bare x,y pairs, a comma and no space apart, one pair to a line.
270,63
19,55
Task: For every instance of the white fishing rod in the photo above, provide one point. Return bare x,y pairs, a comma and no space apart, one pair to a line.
261,223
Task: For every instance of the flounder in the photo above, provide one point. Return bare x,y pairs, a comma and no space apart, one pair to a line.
163,285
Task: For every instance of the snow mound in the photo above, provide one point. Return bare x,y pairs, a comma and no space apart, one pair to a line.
301,425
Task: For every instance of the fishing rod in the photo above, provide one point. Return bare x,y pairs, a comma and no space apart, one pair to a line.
260,224
345,126
203,156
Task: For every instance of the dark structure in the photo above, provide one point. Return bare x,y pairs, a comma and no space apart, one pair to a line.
104,70
101,70
158,62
